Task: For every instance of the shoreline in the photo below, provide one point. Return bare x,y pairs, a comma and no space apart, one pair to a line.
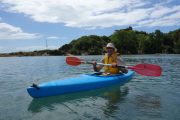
6,55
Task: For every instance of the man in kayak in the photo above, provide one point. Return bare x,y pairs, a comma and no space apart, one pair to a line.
110,58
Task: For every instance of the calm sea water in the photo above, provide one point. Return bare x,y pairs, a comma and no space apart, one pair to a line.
143,98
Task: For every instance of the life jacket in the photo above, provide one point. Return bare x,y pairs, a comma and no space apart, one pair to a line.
109,60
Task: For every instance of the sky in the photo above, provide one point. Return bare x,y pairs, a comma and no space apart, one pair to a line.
26,25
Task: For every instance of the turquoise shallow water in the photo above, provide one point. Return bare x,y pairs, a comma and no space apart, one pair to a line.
143,98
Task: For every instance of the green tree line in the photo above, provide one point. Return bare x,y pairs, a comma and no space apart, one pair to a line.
127,41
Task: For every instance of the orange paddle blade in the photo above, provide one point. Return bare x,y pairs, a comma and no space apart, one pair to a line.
74,61
147,69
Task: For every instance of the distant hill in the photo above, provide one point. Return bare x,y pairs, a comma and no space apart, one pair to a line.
127,41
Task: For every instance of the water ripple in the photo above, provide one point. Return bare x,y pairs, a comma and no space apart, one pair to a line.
142,98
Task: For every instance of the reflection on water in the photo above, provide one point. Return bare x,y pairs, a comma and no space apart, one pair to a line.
114,98
112,95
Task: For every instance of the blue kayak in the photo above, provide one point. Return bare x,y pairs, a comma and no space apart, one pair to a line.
79,83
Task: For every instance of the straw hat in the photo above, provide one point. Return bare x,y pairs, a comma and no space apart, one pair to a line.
111,45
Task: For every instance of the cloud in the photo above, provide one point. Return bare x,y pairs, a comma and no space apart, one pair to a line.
162,11
93,14
162,16
53,37
9,32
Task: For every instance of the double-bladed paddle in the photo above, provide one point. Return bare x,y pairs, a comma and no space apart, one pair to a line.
142,69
